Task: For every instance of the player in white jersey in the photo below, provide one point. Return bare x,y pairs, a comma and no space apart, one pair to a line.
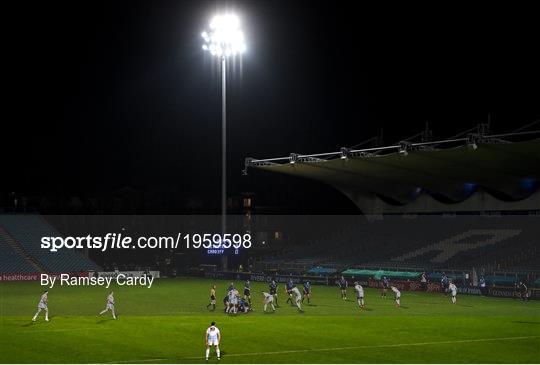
110,305
453,289
212,338
268,299
297,297
42,306
359,294
233,301
398,295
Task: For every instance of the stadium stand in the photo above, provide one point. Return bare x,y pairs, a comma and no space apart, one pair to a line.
428,242
11,261
378,274
322,270
27,230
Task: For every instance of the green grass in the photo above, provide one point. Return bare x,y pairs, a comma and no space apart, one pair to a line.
166,324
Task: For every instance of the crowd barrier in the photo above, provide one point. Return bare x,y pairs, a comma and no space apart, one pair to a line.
113,274
37,276
133,274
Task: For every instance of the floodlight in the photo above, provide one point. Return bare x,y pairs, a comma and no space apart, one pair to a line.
344,153
293,158
225,37
404,148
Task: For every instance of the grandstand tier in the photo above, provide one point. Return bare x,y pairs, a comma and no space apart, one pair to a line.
26,231
422,242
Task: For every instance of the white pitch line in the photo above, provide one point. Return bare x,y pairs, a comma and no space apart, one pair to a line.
69,329
374,346
134,361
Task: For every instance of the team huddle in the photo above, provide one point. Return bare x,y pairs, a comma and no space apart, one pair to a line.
233,303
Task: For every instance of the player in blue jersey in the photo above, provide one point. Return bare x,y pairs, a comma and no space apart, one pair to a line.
307,291
288,289
343,287
385,284
226,302
444,283
272,288
243,306
247,291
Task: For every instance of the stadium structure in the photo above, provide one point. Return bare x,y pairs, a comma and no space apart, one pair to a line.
475,173
468,205
465,206
21,257
467,212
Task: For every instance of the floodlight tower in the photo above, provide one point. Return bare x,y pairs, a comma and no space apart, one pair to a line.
224,40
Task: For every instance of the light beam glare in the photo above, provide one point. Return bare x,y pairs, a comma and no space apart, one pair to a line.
225,38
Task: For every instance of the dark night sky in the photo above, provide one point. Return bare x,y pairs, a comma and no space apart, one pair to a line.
104,95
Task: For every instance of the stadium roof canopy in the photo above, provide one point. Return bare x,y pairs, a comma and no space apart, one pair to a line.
428,176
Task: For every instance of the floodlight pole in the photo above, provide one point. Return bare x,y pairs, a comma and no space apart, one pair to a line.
224,153
223,144
224,39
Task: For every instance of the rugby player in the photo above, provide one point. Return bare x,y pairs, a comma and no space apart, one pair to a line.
42,306
444,283
359,294
268,299
110,305
307,291
212,338
398,295
272,288
243,306
343,286
233,301
297,297
247,291
385,284
288,290
453,289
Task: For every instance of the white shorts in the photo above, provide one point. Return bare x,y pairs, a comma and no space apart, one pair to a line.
398,296
234,301
213,342
42,306
454,293
268,300
110,306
